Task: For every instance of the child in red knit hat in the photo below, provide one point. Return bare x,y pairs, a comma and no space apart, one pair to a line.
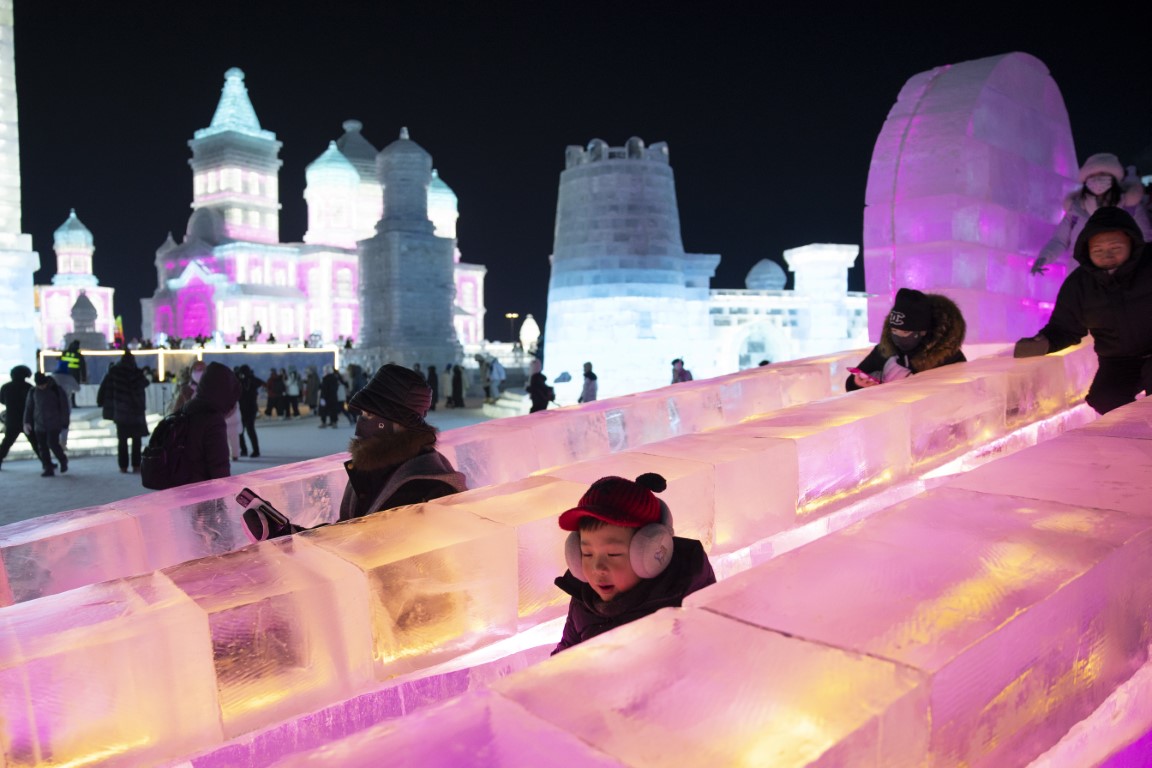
623,560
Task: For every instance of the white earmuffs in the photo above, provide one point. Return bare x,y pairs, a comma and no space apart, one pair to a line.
649,553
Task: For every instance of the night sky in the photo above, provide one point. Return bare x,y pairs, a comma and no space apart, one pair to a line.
770,119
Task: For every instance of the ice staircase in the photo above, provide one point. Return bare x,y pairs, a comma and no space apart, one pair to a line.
88,435
290,644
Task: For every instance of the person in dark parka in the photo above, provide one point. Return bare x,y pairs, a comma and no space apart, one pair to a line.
13,395
47,411
922,331
207,453
623,561
249,394
1110,296
121,395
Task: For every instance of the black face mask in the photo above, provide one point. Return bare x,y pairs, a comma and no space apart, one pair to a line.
907,343
370,426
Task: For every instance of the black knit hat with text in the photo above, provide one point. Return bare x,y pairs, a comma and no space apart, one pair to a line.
912,311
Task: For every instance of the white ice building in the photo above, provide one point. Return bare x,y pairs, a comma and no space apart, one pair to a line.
74,246
231,272
625,296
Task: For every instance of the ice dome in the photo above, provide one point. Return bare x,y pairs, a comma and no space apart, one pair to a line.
404,146
331,166
443,209
766,275
72,233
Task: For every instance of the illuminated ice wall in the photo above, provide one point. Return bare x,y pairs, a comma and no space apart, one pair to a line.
18,261
74,245
965,186
623,293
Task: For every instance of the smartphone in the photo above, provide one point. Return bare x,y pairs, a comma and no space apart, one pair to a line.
863,375
259,516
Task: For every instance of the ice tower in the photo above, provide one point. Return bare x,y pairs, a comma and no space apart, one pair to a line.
623,293
965,186
18,261
74,246
406,271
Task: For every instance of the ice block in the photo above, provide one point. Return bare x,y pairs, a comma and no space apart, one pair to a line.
690,494
1023,615
1132,421
485,730
118,674
755,484
531,507
307,492
441,581
289,629
497,451
684,687
49,555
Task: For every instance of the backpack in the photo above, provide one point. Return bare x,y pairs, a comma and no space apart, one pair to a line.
163,464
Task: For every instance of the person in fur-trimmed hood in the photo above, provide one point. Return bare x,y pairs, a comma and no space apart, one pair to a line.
1103,183
923,331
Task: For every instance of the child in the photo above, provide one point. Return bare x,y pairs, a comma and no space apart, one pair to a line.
623,560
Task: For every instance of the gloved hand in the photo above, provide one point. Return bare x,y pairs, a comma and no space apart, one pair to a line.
893,371
1040,266
1031,347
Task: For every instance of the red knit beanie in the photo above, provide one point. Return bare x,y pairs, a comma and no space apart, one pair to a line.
618,502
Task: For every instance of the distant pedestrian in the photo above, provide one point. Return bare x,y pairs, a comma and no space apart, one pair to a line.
331,404
248,406
292,394
121,395
311,388
71,370
13,396
679,372
434,385
446,384
274,386
457,387
538,390
496,375
485,375
591,386
47,412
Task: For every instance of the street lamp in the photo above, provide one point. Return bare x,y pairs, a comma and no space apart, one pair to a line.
512,316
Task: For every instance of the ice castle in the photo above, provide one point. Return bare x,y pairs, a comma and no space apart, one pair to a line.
230,272
74,246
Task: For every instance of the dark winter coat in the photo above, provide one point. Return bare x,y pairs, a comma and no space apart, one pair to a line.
539,392
207,452
48,409
589,616
426,476
330,388
121,395
940,346
249,393
13,396
1115,308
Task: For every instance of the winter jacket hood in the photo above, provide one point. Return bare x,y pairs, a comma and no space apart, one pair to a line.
942,342
218,391
1109,220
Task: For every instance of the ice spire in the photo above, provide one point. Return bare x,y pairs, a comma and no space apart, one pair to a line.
235,112
404,132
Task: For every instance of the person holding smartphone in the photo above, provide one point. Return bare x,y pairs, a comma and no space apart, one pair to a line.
922,331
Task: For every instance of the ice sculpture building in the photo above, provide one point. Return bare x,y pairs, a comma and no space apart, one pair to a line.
231,272
624,295
74,245
18,261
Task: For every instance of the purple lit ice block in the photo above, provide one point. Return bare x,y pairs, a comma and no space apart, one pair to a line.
486,730
685,687
1022,615
531,507
289,629
965,187
308,492
441,581
1132,421
118,674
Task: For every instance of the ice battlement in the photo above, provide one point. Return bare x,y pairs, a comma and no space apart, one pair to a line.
598,150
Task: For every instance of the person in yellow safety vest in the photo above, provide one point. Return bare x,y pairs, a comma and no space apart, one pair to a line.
71,371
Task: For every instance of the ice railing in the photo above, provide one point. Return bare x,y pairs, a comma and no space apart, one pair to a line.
291,626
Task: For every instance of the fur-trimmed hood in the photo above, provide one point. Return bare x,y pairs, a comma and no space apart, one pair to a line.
940,344
1084,205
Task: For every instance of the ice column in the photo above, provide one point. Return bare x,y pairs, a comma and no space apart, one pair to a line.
964,188
822,277
18,261
623,293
